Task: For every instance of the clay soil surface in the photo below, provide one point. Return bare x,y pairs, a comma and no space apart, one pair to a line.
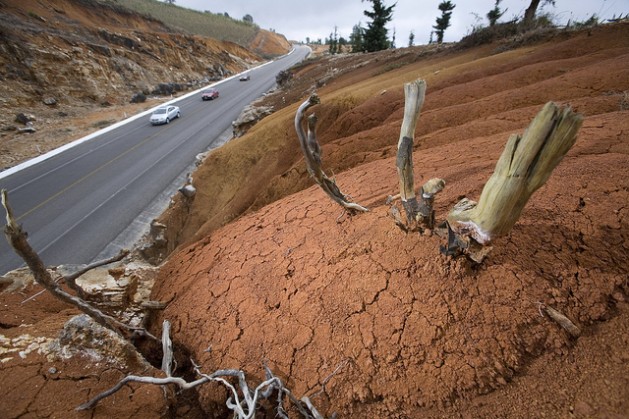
366,320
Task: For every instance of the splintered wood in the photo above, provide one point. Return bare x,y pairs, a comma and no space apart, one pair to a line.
419,213
524,166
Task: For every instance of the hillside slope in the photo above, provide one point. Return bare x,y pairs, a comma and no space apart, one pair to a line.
214,24
367,320
297,285
471,93
61,60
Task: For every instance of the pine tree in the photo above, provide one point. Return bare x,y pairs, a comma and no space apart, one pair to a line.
341,45
333,42
529,13
356,38
495,13
375,38
443,22
411,39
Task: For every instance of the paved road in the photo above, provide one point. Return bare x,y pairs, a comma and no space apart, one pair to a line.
98,196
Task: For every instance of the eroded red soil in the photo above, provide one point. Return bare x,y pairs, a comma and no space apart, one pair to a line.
279,275
300,286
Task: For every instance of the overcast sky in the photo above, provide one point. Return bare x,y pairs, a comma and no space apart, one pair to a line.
298,19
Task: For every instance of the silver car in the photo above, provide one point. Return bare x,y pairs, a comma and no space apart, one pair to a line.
165,114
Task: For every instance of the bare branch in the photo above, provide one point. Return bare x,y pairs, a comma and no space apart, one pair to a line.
311,407
243,409
71,279
312,153
19,243
180,382
167,349
338,368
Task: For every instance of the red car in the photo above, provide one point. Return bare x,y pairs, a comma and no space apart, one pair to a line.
209,94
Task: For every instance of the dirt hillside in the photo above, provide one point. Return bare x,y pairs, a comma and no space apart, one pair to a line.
366,320
269,44
72,67
300,286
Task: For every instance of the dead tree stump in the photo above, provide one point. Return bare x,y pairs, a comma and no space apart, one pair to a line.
419,213
524,166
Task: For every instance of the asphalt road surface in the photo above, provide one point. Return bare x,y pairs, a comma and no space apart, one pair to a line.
98,196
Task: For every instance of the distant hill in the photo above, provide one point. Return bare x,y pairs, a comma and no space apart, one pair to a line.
208,24
213,25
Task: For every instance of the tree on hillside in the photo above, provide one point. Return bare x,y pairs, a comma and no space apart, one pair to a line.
443,22
529,14
169,1
376,34
495,13
333,42
411,39
247,18
342,42
356,38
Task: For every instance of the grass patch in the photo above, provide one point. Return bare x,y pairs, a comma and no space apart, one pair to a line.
391,67
345,102
212,25
102,124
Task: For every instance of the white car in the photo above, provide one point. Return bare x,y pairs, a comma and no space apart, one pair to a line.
165,114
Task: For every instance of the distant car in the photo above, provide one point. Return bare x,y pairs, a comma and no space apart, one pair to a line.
245,77
165,114
209,94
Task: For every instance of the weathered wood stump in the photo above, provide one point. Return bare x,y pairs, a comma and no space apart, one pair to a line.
419,213
524,166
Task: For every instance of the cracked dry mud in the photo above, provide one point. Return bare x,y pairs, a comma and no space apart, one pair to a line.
280,276
418,329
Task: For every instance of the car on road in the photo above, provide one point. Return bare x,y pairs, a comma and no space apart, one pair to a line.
245,77
209,94
165,114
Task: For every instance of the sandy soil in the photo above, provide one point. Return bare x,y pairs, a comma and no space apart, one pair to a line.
365,319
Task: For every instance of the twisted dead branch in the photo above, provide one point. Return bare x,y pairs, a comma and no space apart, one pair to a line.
243,403
17,239
524,166
419,214
312,153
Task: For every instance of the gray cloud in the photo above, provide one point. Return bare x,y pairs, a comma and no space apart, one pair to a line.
298,19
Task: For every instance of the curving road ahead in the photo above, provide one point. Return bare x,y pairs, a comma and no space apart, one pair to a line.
98,195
